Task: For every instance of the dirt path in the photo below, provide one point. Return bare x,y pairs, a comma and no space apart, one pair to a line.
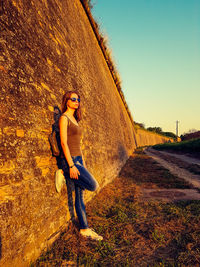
179,156
179,171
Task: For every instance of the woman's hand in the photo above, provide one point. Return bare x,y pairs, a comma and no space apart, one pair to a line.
74,172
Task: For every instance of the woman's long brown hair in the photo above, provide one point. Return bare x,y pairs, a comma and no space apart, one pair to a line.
66,97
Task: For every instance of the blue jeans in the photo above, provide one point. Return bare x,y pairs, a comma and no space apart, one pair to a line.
85,181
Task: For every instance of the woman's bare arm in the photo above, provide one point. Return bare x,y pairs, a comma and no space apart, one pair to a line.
63,138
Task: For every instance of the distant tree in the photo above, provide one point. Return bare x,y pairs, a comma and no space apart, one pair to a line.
141,125
169,134
155,129
191,131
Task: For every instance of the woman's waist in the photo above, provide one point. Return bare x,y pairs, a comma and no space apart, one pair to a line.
75,159
73,140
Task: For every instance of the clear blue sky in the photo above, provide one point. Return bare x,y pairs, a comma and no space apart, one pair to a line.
156,47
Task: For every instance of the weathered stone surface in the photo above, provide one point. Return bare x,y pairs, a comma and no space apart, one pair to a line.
146,138
46,48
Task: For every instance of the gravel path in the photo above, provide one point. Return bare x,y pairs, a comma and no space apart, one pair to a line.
174,169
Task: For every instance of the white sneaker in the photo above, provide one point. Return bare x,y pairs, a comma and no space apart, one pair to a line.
91,234
59,180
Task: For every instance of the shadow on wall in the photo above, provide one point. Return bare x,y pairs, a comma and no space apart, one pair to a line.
135,139
122,152
0,248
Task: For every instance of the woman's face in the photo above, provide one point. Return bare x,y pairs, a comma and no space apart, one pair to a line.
73,102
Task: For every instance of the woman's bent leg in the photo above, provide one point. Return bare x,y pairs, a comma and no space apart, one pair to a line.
85,179
80,208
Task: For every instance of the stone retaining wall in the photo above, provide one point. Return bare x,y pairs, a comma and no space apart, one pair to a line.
48,47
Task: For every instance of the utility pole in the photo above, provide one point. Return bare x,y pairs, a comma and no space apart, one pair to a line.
177,122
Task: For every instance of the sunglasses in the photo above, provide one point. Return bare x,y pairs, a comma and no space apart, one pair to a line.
73,99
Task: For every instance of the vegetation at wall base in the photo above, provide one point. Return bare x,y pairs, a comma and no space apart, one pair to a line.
136,232
190,146
192,134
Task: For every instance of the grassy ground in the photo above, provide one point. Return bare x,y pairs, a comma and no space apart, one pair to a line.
136,233
190,146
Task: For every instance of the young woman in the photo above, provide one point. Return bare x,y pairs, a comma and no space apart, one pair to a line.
73,163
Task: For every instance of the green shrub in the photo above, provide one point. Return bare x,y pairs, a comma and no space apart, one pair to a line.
184,146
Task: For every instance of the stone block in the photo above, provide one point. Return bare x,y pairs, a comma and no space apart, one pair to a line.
20,133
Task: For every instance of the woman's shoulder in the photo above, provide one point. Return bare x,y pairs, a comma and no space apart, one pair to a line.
64,116
64,119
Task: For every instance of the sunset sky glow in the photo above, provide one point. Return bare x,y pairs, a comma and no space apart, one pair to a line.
156,47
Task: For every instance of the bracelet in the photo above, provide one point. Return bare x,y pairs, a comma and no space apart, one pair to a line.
71,166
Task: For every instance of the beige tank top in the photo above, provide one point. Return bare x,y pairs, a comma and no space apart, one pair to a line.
74,138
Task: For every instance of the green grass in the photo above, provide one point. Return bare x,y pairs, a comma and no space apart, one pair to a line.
191,146
136,233
166,234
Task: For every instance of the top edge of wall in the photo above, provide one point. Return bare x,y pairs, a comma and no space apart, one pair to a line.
103,49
